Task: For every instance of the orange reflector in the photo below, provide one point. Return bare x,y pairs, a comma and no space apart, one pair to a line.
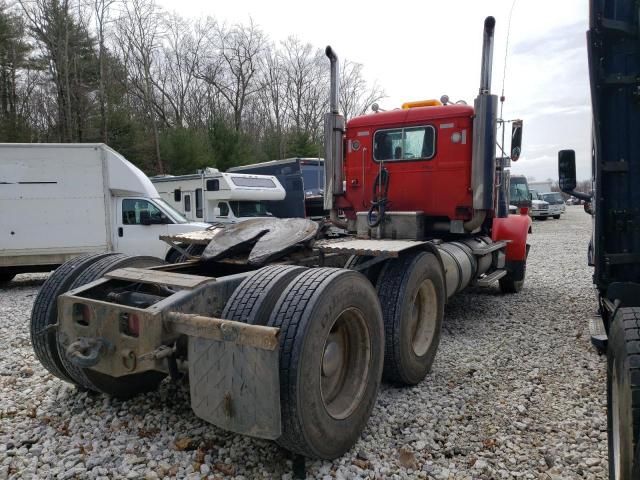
422,103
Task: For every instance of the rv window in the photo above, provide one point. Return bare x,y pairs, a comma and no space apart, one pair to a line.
199,202
187,203
253,182
177,195
224,209
132,211
213,185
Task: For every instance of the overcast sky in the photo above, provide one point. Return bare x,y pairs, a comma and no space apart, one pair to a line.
418,50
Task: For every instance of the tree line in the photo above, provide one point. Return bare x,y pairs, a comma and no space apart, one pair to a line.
172,94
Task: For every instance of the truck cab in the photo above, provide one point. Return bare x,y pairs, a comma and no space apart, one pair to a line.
539,207
141,218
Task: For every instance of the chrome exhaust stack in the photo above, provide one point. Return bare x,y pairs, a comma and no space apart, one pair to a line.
483,164
333,132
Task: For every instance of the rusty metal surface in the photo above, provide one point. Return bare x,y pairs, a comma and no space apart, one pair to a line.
256,336
374,248
266,238
235,387
142,275
129,354
201,237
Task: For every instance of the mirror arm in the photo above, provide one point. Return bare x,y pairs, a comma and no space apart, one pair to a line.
579,195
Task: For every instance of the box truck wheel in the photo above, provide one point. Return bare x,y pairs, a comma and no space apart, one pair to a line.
331,356
6,275
253,301
44,316
129,385
412,295
623,395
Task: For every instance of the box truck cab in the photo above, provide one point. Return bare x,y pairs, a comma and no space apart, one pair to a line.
218,197
59,201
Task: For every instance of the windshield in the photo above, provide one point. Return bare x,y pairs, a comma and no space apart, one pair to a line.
552,197
519,191
176,216
249,209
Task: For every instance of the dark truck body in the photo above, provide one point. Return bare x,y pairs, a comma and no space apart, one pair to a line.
614,251
614,67
302,179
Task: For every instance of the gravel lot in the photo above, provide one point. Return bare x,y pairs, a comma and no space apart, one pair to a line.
516,392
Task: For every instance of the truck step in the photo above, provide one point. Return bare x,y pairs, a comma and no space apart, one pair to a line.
488,280
490,248
599,337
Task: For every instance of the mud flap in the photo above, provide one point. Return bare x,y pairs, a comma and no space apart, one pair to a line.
235,387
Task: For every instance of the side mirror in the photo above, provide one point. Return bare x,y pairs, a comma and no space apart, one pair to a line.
530,196
516,139
567,170
216,212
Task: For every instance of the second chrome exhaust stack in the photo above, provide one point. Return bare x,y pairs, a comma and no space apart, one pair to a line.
483,163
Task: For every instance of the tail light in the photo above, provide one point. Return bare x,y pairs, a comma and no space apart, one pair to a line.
130,324
524,210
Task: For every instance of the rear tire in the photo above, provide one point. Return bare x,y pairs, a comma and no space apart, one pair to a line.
371,273
412,295
623,395
44,315
253,301
331,357
122,387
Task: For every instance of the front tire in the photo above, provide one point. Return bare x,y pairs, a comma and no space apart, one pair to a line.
623,395
412,295
331,357
557,217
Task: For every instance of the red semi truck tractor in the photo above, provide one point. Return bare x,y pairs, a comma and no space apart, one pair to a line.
286,327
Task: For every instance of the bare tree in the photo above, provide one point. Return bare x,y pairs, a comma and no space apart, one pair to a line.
232,69
140,34
101,10
355,94
307,85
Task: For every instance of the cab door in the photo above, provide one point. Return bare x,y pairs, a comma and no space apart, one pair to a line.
139,226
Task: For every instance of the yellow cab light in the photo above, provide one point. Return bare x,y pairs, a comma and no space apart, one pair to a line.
422,103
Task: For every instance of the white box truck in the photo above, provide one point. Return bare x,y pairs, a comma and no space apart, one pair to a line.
58,201
217,197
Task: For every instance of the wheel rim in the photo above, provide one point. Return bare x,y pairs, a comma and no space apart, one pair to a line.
615,412
345,364
423,318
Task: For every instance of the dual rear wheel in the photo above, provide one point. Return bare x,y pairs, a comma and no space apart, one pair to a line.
338,334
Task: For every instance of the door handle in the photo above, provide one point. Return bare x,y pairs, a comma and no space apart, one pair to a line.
120,232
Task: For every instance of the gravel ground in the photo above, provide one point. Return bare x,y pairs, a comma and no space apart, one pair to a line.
516,392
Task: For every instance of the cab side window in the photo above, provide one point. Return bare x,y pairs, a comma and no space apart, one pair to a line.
134,209
411,143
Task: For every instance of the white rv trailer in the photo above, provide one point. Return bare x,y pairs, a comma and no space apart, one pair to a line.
58,201
217,197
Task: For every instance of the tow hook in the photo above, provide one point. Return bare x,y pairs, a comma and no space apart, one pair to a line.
85,352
